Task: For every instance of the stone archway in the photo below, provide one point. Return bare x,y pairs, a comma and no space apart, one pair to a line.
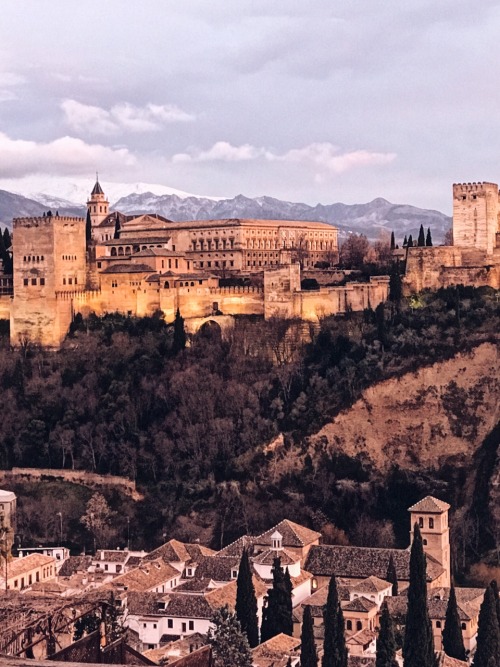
224,323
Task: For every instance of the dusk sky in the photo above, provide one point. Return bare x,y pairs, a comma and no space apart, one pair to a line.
315,101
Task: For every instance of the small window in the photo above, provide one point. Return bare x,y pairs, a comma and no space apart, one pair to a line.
170,623
438,624
425,543
420,522
464,626
191,625
348,625
33,281
25,282
359,625
431,523
155,625
42,281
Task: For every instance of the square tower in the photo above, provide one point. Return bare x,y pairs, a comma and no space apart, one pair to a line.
475,215
431,516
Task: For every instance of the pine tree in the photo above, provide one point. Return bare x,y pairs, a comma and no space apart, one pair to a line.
488,633
88,229
334,647
308,653
393,241
246,602
428,238
386,643
453,641
392,576
179,342
229,644
418,646
421,237
277,614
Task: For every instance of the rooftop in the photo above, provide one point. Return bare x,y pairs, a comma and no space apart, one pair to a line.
20,566
430,505
131,267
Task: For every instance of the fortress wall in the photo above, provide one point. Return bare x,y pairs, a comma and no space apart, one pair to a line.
475,215
336,300
424,266
5,306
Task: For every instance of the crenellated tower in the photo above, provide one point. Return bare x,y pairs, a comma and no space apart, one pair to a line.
475,216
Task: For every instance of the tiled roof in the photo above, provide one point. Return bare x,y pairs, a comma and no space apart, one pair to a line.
146,576
172,551
177,649
267,557
371,585
145,603
19,566
361,604
97,190
444,660
362,562
437,608
110,556
218,568
159,252
75,564
195,586
275,648
294,535
135,240
131,267
361,661
222,595
200,658
236,547
431,505
361,638
182,605
134,561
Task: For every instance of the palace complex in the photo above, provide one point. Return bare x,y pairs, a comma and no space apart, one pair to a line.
139,264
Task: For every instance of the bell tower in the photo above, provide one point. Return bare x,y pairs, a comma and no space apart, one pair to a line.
431,516
97,204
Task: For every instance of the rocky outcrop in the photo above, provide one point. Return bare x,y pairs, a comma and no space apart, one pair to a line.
440,413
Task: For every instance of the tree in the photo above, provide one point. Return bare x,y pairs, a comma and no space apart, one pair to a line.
448,237
308,653
335,649
7,241
386,642
395,284
488,633
88,229
494,587
453,641
246,602
405,241
410,241
421,237
428,238
354,250
277,614
393,241
392,576
98,520
229,643
179,342
418,646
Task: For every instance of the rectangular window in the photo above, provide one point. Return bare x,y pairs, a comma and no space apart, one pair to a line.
191,625
170,623
70,281
184,627
42,281
25,281
33,281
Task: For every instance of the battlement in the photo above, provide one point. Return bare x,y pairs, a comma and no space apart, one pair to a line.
460,189
45,221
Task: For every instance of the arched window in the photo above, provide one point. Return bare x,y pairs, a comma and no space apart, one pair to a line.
127,250
166,285
431,523
359,625
120,251
113,252
348,625
438,624
420,522
192,284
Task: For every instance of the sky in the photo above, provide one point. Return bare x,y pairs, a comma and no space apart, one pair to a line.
313,101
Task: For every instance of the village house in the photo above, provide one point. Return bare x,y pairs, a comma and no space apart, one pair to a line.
21,573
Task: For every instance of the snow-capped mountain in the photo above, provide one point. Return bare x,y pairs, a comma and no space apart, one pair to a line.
368,219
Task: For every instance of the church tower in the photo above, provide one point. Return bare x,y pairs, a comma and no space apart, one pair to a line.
431,516
97,205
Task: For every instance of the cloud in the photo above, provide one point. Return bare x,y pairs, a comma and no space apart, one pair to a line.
66,155
324,156
121,117
9,80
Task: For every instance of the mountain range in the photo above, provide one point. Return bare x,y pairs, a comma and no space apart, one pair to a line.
369,219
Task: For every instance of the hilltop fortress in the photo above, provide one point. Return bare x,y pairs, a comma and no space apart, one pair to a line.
474,257
139,264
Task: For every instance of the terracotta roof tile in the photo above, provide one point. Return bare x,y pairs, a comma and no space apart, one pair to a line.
294,535
431,505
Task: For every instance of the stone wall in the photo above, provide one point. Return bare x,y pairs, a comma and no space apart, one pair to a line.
475,215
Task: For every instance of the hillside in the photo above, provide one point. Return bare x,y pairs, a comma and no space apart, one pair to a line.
423,419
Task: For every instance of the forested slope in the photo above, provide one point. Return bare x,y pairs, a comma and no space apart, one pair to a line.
192,426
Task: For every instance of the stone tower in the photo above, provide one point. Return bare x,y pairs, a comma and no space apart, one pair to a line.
97,205
431,515
475,216
49,268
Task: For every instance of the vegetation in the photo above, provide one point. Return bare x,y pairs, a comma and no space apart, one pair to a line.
246,602
488,633
418,646
189,424
229,644
453,641
277,612
308,653
386,643
334,647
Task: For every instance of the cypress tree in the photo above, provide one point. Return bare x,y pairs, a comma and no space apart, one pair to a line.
488,633
386,643
405,242
453,641
421,236
179,342
392,576
393,241
308,653
88,229
428,238
246,602
395,284
277,614
494,587
7,241
410,241
334,647
418,646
